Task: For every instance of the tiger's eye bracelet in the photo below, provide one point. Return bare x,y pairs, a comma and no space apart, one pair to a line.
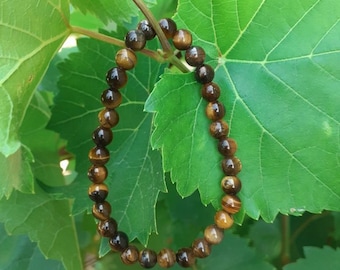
99,155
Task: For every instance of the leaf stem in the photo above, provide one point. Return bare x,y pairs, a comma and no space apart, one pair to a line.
285,246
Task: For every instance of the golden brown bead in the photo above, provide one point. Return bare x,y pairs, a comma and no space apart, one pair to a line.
101,211
108,118
102,136
231,166
231,204
107,228
227,146
182,39
147,29
126,59
166,258
201,248
210,91
204,74
223,220
215,110
130,255
97,174
111,98
195,56
119,241
168,27
99,155
185,257
231,184
219,129
147,258
98,192
116,78
135,40
213,234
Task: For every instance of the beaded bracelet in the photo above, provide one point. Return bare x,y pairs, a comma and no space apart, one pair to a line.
111,98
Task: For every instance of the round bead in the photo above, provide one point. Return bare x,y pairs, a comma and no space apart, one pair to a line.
195,56
126,59
147,258
231,204
185,257
210,91
204,74
227,146
97,174
168,27
119,241
98,192
147,29
219,129
231,166
231,184
101,211
108,118
107,228
116,77
182,39
201,248
215,110
130,255
213,234
99,155
166,258
135,40
102,136
223,220
111,98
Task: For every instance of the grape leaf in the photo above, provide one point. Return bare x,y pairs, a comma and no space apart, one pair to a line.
279,81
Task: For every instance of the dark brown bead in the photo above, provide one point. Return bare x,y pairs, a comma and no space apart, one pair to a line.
195,56
111,98
227,146
147,258
102,136
98,192
99,155
116,77
201,248
231,204
119,241
168,27
130,255
231,166
126,59
101,211
231,184
166,258
97,174
223,220
108,118
215,110
107,228
135,40
147,29
204,74
213,234
210,91
185,257
219,129
182,39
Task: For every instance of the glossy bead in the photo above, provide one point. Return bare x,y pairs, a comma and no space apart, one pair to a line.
231,166
227,146
147,29
108,118
116,77
195,56
130,255
102,210
102,136
204,74
185,257
219,129
213,234
99,155
166,258
126,59
119,241
210,91
135,40
182,39
215,110
168,27
201,248
231,184
98,192
97,174
147,258
231,204
223,220
107,228
111,98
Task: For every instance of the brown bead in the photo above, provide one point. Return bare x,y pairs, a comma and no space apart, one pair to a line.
147,29
107,228
201,248
130,255
213,234
135,40
223,220
168,27
219,129
227,146
231,184
195,56
185,257
111,98
215,110
108,118
210,91
166,258
116,78
102,136
97,174
231,204
231,166
204,74
126,59
182,39
99,155
119,241
98,192
101,211
147,258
